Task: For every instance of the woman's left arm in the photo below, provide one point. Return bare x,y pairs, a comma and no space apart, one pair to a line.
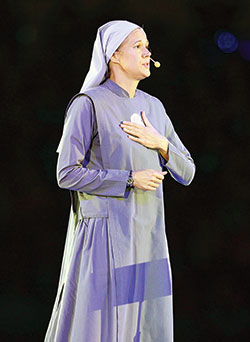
179,162
173,154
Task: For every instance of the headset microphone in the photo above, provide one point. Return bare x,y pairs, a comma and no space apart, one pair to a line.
156,64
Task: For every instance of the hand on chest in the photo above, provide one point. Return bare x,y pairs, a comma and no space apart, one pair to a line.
135,128
126,134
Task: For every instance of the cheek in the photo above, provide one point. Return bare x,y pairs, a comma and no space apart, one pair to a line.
130,62
134,61
133,54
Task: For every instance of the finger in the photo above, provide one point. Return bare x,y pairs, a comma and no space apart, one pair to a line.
153,185
132,130
131,137
157,180
158,176
129,124
150,188
163,173
145,119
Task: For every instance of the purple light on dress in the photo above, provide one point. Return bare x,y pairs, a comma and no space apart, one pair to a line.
244,49
134,283
226,41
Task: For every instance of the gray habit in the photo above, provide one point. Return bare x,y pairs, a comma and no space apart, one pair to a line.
115,283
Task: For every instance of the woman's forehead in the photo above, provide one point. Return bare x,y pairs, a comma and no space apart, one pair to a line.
136,35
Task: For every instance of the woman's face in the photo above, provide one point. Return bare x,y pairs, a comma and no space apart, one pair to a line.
133,55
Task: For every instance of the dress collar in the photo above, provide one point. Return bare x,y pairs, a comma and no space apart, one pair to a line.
115,88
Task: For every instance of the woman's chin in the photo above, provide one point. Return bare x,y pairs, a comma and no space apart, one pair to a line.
145,75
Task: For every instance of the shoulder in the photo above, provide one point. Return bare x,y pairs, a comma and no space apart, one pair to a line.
157,107
80,106
149,97
96,91
79,102
79,99
152,100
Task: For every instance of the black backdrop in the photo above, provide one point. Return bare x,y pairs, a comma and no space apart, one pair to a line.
45,53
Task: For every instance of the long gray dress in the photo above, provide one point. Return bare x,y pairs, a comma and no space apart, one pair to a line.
115,283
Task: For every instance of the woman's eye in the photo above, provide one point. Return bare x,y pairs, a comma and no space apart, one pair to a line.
139,46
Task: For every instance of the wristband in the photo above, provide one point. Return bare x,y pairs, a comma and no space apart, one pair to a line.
130,180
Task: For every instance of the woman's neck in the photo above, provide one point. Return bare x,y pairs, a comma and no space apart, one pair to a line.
128,85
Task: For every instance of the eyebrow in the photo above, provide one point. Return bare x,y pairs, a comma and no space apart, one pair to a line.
138,41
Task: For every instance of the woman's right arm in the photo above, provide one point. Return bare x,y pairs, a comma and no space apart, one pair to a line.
79,130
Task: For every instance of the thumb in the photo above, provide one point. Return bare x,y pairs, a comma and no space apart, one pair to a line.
145,119
162,172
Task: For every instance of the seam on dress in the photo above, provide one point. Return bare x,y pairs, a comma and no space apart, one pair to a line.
113,258
70,332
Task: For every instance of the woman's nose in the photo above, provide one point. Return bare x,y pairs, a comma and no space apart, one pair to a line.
146,52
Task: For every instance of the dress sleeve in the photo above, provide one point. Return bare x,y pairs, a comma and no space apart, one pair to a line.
180,164
79,130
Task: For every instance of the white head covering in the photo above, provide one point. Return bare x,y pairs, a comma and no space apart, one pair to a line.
109,37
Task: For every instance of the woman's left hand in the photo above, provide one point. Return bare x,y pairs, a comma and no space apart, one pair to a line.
146,136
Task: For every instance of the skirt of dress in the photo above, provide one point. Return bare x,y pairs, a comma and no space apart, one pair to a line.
98,303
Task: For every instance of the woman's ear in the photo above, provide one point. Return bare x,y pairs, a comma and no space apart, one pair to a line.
115,58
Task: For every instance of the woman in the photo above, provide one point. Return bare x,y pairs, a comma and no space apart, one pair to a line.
115,282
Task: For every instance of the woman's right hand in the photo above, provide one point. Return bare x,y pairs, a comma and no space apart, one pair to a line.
148,179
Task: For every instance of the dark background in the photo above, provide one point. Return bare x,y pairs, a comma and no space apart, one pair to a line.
45,53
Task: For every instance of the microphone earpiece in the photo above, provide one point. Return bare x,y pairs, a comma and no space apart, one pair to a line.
156,64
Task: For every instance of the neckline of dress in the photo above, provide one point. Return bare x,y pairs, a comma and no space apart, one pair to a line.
115,88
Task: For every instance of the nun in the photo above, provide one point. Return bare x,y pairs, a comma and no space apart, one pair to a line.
117,146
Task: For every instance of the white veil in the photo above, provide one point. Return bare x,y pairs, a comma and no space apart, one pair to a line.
109,37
